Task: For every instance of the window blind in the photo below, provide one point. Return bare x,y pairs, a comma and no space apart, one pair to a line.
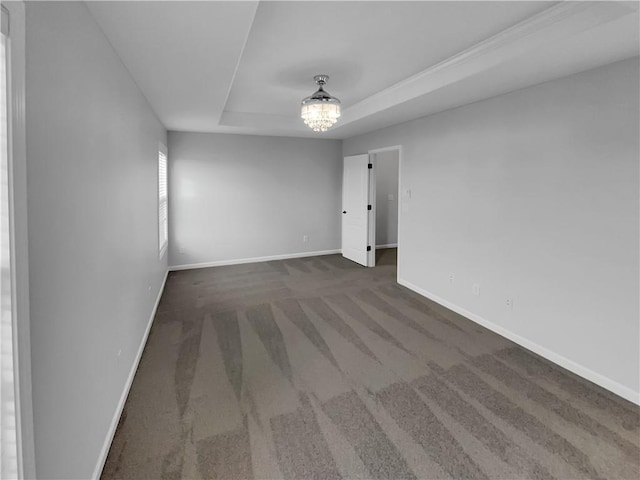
8,406
163,207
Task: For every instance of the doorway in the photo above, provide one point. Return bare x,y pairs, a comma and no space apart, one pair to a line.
385,189
370,207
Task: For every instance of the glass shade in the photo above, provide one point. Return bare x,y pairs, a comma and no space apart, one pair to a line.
320,115
320,111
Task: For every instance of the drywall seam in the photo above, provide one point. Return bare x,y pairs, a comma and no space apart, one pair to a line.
597,378
125,393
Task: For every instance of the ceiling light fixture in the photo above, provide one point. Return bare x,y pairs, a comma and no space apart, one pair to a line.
320,111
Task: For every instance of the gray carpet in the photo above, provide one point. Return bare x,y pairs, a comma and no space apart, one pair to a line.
318,368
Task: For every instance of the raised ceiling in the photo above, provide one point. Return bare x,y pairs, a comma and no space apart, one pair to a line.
243,67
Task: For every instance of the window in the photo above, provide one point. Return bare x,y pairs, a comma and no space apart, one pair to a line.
163,206
8,404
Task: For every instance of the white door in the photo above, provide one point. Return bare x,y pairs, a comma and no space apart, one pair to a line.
355,216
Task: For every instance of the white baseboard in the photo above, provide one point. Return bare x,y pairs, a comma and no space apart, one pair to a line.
125,393
389,245
239,261
582,371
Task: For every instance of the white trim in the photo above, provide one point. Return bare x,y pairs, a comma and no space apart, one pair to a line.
385,149
125,393
400,189
235,70
238,261
371,216
389,245
400,197
559,22
582,371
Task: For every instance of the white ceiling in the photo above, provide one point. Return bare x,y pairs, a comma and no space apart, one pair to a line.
243,67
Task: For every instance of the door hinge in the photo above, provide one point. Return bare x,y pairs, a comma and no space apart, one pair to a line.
368,207
370,165
368,248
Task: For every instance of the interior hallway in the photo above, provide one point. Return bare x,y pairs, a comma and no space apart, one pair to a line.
319,368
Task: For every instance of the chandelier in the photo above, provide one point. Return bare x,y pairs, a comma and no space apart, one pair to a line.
320,111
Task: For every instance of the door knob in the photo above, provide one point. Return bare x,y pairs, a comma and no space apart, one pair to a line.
344,211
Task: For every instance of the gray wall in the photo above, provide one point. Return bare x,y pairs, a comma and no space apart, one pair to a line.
534,196
92,148
386,174
234,197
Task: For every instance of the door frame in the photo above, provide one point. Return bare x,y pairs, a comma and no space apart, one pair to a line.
371,259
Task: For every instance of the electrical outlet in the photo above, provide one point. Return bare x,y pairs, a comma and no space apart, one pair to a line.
305,239
509,303
451,277
476,289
